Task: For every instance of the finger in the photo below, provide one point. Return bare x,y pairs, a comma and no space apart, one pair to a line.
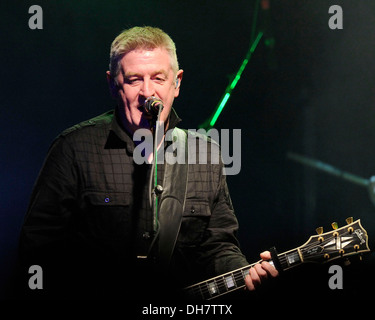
249,283
262,273
272,271
265,255
255,276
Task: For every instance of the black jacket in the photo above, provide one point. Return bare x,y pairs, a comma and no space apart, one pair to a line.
88,217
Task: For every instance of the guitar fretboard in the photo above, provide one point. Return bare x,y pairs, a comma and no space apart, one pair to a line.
235,280
342,242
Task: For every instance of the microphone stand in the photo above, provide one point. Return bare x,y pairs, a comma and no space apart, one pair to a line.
155,191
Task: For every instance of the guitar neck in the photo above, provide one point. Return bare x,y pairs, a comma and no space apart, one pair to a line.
341,242
234,280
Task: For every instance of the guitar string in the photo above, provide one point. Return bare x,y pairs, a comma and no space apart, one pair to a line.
324,242
219,283
239,276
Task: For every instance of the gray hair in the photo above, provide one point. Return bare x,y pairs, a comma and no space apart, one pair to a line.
140,38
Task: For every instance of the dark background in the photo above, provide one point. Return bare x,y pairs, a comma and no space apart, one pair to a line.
313,94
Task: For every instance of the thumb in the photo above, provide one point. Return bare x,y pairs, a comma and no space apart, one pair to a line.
265,255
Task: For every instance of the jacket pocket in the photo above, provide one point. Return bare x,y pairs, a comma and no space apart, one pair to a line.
195,220
107,215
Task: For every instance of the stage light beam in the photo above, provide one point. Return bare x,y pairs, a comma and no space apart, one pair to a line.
234,82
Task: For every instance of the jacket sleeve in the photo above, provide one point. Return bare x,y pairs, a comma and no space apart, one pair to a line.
208,244
47,221
220,245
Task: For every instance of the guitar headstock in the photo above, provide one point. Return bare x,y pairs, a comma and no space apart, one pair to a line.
341,242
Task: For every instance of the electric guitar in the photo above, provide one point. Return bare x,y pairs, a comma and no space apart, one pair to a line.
341,242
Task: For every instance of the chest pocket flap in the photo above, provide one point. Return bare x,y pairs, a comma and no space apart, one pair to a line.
96,198
195,220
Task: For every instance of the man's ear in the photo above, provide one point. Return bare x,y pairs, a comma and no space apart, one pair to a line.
113,88
178,82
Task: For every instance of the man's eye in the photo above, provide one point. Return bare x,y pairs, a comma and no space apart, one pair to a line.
132,80
159,79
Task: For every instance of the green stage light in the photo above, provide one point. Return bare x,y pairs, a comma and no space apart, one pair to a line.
234,82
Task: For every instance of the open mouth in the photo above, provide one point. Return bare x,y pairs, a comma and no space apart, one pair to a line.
145,113
142,108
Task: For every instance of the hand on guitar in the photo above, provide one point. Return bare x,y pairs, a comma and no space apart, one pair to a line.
346,241
260,272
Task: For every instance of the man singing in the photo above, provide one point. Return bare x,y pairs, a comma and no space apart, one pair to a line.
91,225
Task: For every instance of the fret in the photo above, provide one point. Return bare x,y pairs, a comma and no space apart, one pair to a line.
201,294
221,285
292,258
230,282
289,259
195,292
234,280
205,291
244,273
212,288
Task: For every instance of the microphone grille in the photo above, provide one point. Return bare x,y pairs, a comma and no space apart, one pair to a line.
152,103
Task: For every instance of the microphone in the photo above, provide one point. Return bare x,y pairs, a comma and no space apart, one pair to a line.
152,106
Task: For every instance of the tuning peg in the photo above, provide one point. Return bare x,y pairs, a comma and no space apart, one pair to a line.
334,225
349,220
319,231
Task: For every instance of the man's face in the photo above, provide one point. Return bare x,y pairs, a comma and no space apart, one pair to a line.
145,73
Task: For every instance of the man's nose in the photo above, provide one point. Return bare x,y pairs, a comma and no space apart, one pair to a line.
148,88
